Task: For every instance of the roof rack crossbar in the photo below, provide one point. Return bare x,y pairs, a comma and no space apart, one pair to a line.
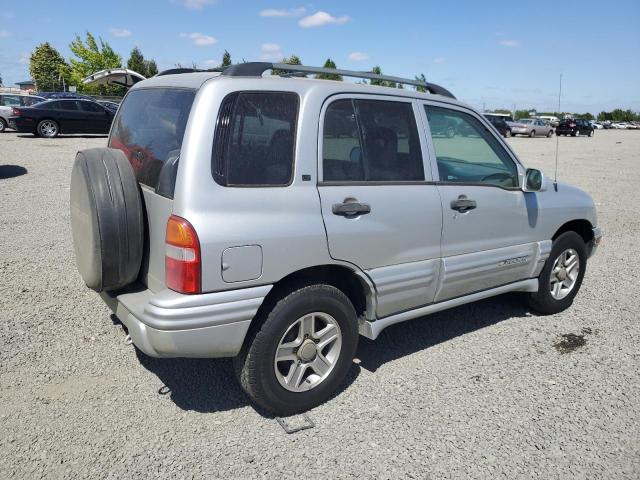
253,69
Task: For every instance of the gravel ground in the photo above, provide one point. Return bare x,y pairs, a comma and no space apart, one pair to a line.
482,391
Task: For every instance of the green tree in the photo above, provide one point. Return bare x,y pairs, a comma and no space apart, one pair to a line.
501,110
47,68
136,62
521,114
329,76
382,83
226,59
90,57
151,67
292,60
421,78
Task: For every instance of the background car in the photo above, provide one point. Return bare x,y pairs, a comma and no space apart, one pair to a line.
7,102
52,117
109,105
574,127
499,122
597,125
532,127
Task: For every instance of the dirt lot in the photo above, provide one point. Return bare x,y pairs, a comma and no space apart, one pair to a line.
482,391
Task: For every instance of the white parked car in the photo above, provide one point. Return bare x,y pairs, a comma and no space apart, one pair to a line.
8,101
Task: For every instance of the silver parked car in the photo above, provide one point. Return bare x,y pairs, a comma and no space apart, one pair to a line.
532,127
8,101
274,220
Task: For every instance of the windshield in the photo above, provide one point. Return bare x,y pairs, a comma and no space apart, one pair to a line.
149,128
526,120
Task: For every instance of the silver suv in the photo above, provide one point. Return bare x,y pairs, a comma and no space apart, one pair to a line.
274,219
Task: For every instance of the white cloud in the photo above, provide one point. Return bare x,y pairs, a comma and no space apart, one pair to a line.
24,59
194,4
200,39
320,19
271,51
510,43
4,34
439,60
274,12
120,32
358,56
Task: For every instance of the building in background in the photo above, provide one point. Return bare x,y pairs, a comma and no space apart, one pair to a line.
28,85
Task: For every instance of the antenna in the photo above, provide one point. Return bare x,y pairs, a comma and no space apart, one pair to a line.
555,177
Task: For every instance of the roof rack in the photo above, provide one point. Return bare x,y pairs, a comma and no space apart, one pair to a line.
256,69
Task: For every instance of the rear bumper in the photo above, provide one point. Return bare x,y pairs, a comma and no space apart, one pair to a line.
22,124
169,324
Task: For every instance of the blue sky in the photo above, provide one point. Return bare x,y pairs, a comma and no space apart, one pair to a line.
497,54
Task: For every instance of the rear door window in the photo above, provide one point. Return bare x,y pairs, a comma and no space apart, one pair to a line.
91,107
149,129
254,140
371,141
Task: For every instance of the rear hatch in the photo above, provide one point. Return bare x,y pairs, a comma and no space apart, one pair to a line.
149,129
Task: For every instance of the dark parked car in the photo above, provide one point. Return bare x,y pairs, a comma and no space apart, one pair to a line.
109,105
52,117
500,124
574,127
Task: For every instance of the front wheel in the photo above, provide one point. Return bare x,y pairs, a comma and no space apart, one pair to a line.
301,352
591,133
507,134
561,276
3,125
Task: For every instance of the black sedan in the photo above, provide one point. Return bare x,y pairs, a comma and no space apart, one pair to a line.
52,117
574,127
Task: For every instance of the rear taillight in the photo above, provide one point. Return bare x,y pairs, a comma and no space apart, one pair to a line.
572,125
182,258
16,112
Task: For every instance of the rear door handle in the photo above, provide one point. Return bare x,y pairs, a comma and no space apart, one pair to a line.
350,209
463,204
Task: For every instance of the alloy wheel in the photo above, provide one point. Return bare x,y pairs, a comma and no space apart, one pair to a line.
308,352
564,274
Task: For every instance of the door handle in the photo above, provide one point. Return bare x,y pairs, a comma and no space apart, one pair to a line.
350,209
463,204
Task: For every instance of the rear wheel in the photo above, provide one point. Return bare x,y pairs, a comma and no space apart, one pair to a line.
48,129
507,134
561,276
550,134
301,352
532,133
575,133
3,125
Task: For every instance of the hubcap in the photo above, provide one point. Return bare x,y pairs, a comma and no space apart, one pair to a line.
308,352
48,129
564,274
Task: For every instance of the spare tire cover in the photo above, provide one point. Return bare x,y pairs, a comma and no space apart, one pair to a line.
106,219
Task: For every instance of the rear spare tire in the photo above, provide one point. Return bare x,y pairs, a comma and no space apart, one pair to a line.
106,219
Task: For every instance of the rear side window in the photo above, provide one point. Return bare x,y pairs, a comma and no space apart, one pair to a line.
255,139
70,105
371,141
149,129
91,107
10,101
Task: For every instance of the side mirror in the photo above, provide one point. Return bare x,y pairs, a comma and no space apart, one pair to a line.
533,180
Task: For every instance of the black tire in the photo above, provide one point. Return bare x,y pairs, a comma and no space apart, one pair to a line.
48,128
254,366
550,134
106,219
575,133
542,301
507,133
591,133
532,133
3,125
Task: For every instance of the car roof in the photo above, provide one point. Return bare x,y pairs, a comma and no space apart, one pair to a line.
196,80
